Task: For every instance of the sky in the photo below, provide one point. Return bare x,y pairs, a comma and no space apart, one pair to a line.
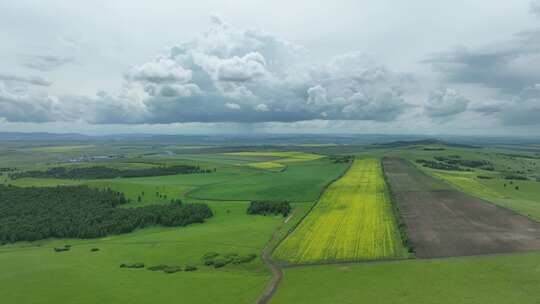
463,67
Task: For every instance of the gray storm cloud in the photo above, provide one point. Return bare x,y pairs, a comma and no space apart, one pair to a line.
508,65
249,76
231,75
444,103
535,7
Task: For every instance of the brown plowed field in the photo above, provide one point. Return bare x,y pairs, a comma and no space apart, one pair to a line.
443,222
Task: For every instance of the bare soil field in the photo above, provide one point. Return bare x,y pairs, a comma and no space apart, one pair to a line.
444,222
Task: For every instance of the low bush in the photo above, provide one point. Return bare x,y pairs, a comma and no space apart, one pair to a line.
241,259
210,255
172,269
61,249
160,267
515,177
132,265
190,268
221,261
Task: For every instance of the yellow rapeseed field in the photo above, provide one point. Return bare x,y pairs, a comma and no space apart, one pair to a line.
353,220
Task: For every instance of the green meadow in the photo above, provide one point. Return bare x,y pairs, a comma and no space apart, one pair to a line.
32,272
61,277
500,279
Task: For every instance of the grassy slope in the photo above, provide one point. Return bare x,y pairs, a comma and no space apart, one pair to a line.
302,181
525,201
79,276
493,279
353,220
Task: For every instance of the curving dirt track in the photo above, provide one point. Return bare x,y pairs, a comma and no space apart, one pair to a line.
277,273
444,222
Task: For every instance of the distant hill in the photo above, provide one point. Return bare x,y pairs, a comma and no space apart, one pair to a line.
258,139
397,144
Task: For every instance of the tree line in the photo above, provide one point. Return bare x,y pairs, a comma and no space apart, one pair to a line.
101,172
456,160
34,213
269,207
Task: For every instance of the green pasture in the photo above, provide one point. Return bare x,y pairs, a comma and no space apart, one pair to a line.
499,279
302,181
34,273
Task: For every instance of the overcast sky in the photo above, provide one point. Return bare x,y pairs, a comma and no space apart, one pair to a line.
417,66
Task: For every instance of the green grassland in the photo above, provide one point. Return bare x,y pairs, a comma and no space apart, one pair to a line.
82,276
473,280
301,182
34,273
353,220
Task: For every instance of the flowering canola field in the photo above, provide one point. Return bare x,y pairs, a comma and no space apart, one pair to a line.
353,220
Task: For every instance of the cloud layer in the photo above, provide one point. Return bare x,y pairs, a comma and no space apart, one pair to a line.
230,75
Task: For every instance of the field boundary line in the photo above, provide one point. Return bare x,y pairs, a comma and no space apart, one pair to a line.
291,230
406,259
398,218
275,266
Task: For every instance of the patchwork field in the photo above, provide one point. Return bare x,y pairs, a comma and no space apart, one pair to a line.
278,159
353,220
442,221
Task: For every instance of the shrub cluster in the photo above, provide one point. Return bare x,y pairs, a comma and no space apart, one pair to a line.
455,163
219,260
132,265
269,207
439,166
29,214
515,177
171,268
456,160
61,249
100,172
